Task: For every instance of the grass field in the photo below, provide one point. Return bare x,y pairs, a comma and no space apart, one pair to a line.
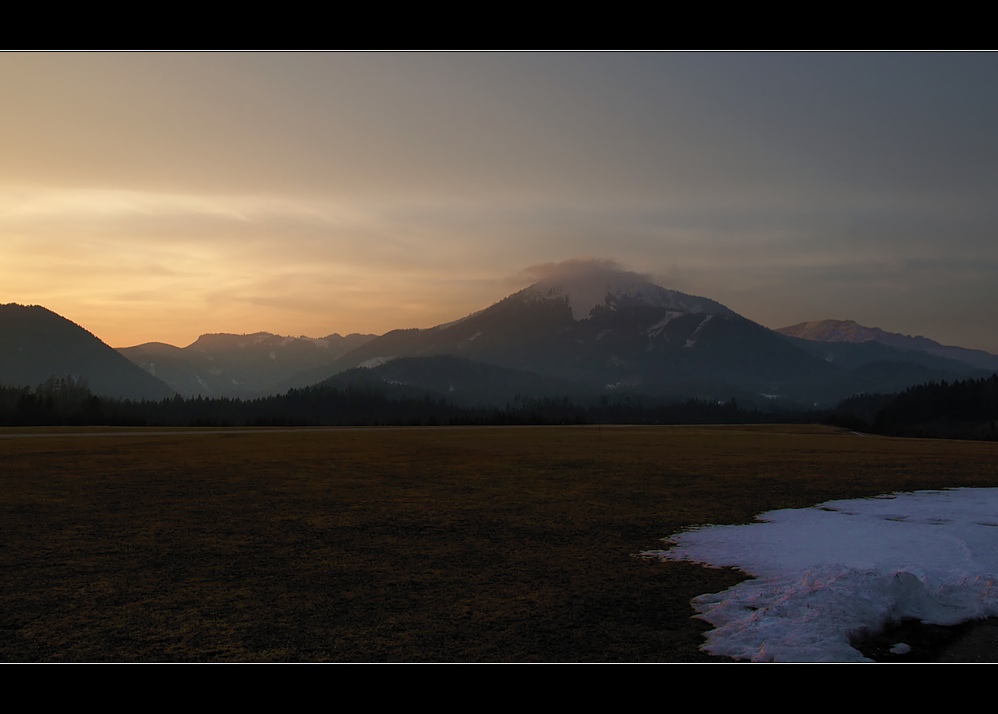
438,544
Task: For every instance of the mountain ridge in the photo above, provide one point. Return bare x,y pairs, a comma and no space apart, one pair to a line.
851,331
596,328
222,364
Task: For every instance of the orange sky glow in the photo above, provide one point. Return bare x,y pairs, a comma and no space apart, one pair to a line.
159,196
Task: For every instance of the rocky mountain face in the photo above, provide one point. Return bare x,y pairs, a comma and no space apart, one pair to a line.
36,343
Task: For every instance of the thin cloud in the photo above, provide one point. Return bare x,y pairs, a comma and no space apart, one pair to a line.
579,269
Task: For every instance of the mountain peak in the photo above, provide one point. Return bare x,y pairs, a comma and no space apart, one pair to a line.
589,284
37,343
850,331
832,331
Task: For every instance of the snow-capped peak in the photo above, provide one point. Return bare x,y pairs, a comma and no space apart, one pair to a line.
591,284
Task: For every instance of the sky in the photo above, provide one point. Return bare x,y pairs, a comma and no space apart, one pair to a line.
159,196
844,568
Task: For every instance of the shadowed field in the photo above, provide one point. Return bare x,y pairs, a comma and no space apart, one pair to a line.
479,544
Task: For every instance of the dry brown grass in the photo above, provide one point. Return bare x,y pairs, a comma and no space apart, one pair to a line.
479,544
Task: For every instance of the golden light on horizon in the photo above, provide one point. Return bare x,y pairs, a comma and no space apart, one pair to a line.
158,196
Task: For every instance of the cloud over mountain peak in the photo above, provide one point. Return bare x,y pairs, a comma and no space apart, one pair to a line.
592,282
583,269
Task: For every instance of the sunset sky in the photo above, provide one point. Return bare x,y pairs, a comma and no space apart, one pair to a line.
161,196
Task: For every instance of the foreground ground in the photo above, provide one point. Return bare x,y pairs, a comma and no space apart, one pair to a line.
506,544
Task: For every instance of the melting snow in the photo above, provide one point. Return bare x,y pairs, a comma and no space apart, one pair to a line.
660,325
843,568
693,338
317,341
588,289
375,362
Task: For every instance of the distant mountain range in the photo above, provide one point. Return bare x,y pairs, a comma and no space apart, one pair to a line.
851,332
594,334
247,366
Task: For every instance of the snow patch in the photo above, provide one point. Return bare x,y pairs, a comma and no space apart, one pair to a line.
842,568
588,287
693,338
657,328
376,361
203,384
317,341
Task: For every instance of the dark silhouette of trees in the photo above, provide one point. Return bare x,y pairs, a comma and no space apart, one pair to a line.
965,409
65,401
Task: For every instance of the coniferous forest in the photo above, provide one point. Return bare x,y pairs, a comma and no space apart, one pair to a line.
64,401
965,409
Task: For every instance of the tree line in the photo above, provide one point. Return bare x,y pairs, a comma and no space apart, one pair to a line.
966,409
64,401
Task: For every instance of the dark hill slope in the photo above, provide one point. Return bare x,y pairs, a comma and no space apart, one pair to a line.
36,343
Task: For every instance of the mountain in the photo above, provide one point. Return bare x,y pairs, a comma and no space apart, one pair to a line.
612,330
36,343
831,331
227,365
848,331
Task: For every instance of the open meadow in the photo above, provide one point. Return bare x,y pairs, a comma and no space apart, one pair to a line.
410,544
